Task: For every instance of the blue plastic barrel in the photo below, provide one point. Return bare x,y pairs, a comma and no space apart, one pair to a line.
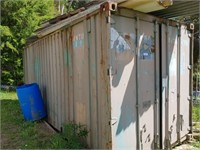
31,102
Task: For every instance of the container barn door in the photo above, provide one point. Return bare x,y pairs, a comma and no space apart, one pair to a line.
169,85
172,57
175,84
184,81
123,79
128,130
147,83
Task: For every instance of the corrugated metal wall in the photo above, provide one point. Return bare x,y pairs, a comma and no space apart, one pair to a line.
70,66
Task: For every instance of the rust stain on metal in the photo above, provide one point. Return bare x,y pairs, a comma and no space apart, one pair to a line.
127,36
109,145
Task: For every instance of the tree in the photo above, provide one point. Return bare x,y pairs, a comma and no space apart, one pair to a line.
19,18
65,6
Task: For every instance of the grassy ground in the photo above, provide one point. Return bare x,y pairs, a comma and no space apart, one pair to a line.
196,113
196,118
18,134
15,132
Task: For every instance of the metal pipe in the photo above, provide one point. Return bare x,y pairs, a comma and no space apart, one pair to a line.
178,83
191,79
167,142
137,86
155,89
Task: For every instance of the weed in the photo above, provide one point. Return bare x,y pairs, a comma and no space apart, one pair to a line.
75,135
72,137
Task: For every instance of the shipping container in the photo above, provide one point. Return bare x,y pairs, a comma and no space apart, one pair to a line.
122,73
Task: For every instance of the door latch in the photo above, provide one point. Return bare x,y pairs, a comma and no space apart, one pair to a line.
113,121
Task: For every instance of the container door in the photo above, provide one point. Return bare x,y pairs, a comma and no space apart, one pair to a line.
123,72
146,89
184,81
172,93
122,78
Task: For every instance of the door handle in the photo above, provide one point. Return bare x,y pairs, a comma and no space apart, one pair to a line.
113,121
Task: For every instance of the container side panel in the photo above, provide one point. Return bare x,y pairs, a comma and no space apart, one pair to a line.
123,90
99,96
59,79
54,55
50,88
79,63
36,63
86,79
70,54
184,81
62,44
43,59
32,69
93,80
39,54
65,42
45,77
44,62
28,62
25,63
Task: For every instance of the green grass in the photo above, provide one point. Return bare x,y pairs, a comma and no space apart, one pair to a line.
196,143
196,113
16,133
5,95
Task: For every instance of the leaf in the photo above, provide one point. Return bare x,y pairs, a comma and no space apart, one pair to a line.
9,45
5,31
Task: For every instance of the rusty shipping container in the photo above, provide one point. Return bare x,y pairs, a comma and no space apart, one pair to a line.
122,73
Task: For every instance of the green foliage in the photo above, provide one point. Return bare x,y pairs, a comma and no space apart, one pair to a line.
75,134
65,6
196,80
19,18
196,114
196,144
196,76
73,137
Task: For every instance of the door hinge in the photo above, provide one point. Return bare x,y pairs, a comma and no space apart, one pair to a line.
111,71
108,19
178,95
189,98
156,101
156,137
113,121
189,67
